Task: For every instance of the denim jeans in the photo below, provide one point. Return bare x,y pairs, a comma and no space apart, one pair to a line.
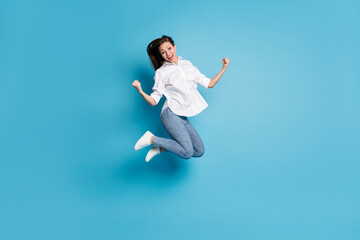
185,141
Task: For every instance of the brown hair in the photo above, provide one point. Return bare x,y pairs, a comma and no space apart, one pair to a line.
153,51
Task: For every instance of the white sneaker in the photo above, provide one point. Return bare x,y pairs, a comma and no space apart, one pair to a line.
143,141
152,152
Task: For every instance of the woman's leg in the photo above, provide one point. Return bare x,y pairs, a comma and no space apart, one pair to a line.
180,144
197,143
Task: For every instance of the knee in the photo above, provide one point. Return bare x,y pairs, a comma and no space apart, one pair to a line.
199,152
189,152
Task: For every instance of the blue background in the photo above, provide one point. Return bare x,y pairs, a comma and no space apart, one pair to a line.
281,131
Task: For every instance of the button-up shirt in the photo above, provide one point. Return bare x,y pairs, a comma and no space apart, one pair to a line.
178,83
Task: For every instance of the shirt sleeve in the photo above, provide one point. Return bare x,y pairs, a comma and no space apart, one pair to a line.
200,78
158,88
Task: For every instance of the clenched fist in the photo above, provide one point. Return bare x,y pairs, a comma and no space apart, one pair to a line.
225,62
136,84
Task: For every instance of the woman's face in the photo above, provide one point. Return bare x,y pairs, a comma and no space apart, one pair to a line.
168,52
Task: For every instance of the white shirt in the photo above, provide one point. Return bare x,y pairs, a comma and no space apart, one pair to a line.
178,82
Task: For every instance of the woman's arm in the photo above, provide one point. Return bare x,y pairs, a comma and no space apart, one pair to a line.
136,84
218,76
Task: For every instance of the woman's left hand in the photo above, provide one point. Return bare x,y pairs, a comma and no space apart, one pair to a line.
225,62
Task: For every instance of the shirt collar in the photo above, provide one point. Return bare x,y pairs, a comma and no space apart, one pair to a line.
166,63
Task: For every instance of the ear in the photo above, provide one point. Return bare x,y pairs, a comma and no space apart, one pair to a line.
175,47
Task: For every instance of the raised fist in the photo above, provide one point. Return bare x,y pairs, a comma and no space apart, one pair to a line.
136,84
225,62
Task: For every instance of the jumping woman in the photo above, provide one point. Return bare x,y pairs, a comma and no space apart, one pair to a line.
176,79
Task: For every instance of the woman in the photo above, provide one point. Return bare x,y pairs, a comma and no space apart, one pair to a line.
177,79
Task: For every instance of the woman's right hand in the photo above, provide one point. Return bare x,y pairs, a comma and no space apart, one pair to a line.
225,62
136,84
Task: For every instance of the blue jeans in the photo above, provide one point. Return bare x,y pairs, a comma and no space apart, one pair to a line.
185,141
